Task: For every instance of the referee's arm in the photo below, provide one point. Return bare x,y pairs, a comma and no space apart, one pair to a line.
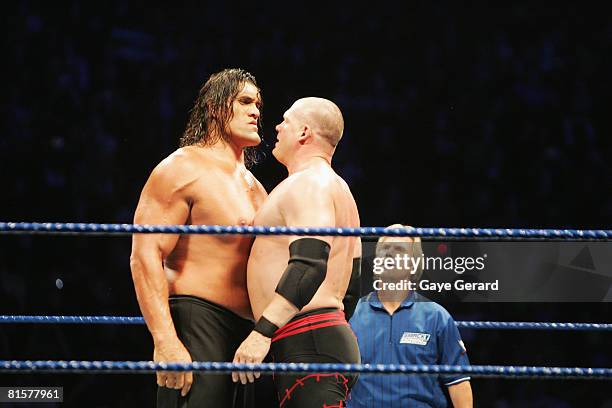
461,395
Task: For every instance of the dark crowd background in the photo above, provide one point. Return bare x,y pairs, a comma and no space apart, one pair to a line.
457,114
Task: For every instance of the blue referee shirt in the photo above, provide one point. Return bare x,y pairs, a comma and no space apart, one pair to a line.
419,332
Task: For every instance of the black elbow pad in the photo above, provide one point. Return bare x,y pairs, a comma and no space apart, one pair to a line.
353,292
305,271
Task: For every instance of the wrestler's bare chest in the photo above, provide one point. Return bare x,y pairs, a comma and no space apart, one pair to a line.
218,198
270,212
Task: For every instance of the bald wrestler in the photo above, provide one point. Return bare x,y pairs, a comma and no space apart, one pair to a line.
297,284
192,289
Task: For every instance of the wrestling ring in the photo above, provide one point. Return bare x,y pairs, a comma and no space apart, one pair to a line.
134,367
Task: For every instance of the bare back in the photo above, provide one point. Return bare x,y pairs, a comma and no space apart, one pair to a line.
270,254
192,186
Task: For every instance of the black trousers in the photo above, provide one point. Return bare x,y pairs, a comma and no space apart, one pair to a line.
210,332
318,336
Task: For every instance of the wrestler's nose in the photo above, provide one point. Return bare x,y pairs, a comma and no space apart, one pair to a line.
254,113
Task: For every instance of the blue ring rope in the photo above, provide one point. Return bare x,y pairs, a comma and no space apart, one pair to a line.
219,367
479,233
534,326
137,320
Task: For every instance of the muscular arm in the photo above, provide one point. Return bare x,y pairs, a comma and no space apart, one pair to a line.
307,204
461,395
162,201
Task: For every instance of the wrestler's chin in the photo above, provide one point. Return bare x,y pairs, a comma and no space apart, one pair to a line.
277,155
251,139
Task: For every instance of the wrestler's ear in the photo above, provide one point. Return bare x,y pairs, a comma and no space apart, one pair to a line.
305,134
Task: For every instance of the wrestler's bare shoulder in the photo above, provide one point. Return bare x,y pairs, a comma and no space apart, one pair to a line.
182,168
314,179
326,183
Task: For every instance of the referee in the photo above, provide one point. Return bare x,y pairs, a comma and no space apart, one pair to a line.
404,327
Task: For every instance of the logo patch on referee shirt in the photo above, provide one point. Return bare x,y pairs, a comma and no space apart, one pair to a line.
420,339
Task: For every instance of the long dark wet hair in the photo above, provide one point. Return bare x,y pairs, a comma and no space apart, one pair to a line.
213,111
